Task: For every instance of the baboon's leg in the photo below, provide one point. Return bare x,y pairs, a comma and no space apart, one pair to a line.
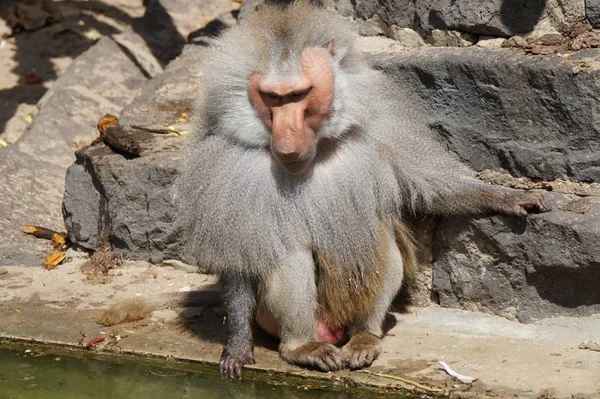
291,297
239,297
365,336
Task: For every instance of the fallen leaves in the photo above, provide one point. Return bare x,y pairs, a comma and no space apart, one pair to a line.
54,259
32,79
94,341
106,122
60,241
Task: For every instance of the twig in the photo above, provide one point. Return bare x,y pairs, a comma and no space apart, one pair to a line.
404,380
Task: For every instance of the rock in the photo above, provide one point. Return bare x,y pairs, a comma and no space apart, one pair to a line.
450,38
528,269
369,27
592,12
503,18
377,45
32,190
562,15
497,109
123,201
490,42
101,80
167,100
405,36
32,171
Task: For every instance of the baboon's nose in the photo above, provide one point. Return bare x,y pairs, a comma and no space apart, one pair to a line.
288,155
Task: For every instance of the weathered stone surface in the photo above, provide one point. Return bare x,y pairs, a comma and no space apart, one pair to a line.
168,99
497,109
101,80
542,266
32,172
31,191
125,202
491,17
592,12
450,38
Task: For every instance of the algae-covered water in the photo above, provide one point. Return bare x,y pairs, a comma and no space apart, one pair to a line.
34,374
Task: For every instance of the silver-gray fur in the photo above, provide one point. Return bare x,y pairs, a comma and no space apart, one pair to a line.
246,218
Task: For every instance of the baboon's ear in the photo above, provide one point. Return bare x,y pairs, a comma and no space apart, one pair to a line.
329,47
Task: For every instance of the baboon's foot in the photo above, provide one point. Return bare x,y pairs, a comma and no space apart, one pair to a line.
318,355
522,203
361,350
233,361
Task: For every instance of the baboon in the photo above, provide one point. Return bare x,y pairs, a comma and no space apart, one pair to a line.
303,163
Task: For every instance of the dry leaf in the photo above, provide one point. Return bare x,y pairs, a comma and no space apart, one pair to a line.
107,121
59,240
28,229
32,79
54,259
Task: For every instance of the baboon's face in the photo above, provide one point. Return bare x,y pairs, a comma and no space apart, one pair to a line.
294,106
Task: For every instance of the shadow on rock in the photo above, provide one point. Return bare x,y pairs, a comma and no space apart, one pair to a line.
70,36
520,16
577,287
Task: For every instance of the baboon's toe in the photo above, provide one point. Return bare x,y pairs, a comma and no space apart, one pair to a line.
361,350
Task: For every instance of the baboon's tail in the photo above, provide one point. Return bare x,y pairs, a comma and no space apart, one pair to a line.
134,309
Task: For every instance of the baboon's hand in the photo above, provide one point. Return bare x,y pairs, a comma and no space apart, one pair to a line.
524,202
231,365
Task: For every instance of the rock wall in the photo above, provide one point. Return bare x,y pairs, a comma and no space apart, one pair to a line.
522,120
500,18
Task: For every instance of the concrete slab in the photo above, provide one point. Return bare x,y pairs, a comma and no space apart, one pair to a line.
508,358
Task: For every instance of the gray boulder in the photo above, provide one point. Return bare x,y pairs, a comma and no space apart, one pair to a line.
32,172
504,110
31,194
592,12
114,201
121,200
542,266
501,18
102,80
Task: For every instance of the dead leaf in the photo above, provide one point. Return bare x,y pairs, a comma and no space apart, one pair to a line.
59,240
94,341
54,259
106,122
32,79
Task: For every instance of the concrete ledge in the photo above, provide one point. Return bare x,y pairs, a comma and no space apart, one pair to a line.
508,358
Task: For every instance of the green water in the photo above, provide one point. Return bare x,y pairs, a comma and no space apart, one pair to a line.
39,375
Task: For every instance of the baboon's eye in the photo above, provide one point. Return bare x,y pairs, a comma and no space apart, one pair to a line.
297,95
271,97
